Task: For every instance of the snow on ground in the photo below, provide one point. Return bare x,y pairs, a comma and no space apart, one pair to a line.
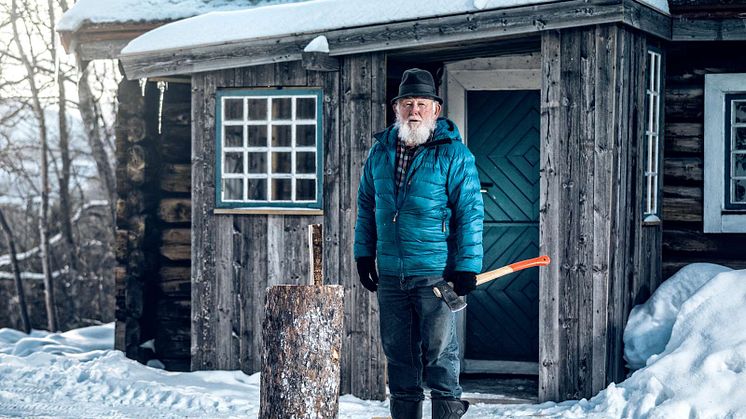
696,369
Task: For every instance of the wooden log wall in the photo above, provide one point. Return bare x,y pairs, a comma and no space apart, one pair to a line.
591,183
153,223
135,135
237,256
174,182
683,239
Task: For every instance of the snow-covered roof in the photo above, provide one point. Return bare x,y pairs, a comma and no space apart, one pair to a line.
131,11
309,17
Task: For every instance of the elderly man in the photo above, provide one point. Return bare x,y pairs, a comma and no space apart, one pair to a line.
420,215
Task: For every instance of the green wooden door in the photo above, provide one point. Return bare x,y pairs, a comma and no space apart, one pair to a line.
502,317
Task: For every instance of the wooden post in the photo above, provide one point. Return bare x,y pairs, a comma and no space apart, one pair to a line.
301,345
315,252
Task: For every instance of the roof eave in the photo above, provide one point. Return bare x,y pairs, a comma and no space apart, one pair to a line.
486,24
92,41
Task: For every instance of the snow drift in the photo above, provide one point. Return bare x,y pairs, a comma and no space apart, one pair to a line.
649,326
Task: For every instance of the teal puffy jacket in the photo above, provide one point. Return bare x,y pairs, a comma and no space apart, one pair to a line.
433,226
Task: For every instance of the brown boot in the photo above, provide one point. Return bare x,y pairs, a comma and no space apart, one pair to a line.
449,409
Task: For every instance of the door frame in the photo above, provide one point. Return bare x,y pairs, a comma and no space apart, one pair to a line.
513,72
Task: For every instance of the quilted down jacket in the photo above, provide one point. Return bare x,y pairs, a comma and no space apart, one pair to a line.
433,224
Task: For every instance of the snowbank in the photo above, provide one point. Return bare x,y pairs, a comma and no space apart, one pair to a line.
649,325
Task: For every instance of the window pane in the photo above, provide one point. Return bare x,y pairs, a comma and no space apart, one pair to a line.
257,162
281,189
305,162
740,112
739,191
282,135
257,189
305,108
282,108
233,109
281,162
233,136
233,189
739,138
305,189
649,75
257,109
257,135
233,163
739,165
305,135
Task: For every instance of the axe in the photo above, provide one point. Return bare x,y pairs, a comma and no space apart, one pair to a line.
445,291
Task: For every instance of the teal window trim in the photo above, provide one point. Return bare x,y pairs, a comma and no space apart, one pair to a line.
243,118
652,136
730,154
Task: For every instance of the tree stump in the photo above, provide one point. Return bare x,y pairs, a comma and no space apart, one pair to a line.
301,344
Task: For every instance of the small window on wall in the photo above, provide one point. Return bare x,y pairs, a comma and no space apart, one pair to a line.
725,153
652,137
735,152
269,149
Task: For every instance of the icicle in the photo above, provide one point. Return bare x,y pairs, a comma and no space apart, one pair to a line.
143,83
162,86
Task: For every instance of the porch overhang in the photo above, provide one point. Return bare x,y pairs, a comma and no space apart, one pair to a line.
441,30
104,40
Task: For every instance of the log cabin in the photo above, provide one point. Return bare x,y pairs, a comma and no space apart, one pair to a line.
609,135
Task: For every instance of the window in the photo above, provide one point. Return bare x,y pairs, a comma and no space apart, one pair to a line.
269,149
735,151
725,153
652,137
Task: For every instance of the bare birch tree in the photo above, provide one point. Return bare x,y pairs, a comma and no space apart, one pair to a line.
50,302
23,310
64,148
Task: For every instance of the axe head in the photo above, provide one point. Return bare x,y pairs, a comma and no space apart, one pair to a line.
444,291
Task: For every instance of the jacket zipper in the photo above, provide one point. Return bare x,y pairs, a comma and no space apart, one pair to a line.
410,174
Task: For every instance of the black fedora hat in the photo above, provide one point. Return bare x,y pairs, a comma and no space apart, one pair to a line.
417,83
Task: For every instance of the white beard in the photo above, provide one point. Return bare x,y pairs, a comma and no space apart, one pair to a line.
414,136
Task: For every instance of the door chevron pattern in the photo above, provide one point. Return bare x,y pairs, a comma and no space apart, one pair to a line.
503,133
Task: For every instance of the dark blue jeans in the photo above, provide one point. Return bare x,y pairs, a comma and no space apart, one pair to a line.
414,321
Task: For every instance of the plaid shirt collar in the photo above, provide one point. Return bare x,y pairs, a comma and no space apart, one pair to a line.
404,156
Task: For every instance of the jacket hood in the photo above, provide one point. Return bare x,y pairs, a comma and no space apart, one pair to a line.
445,129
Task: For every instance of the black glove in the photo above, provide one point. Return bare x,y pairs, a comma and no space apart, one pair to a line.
463,282
366,268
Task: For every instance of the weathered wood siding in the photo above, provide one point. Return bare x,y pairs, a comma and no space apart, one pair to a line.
237,256
591,199
683,239
153,222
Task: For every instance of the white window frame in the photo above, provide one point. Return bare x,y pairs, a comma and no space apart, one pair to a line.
651,174
716,218
268,204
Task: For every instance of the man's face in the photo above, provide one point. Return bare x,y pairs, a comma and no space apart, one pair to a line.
415,118
413,111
